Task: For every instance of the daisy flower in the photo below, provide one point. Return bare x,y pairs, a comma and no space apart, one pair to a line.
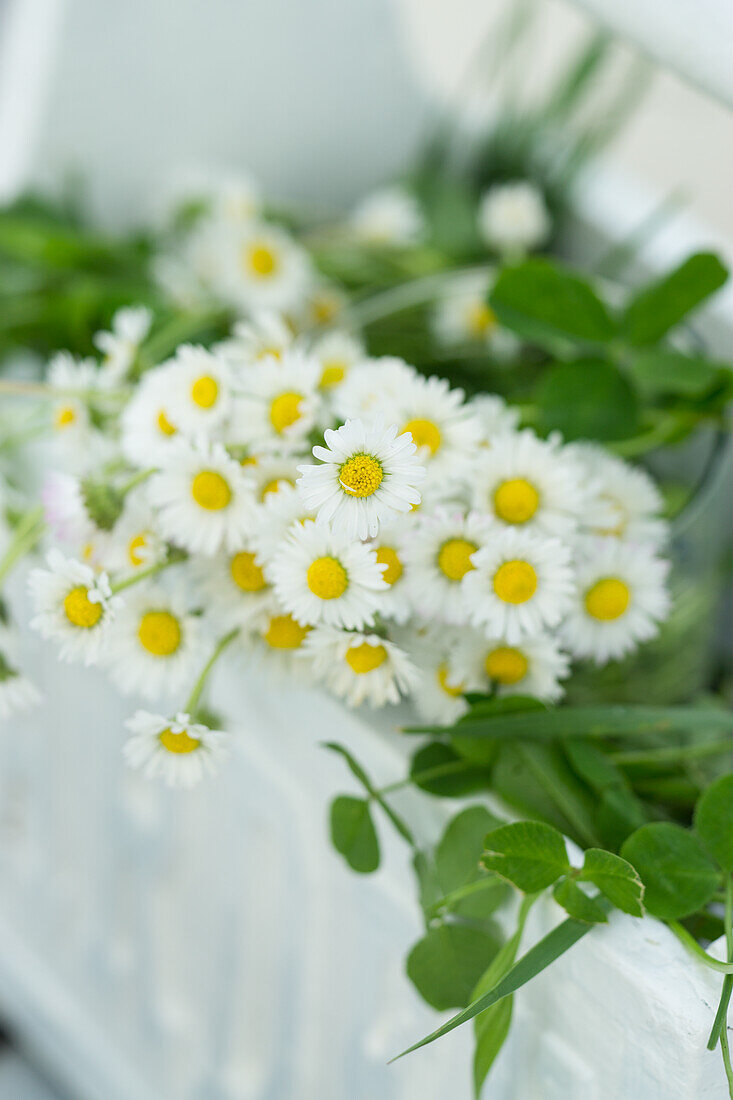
320,577
439,695
440,550
73,605
521,583
135,542
441,424
17,693
235,586
620,600
148,428
280,639
199,390
360,668
337,353
464,316
263,268
367,473
495,416
279,512
323,304
278,402
629,503
270,475
535,666
390,215
513,217
531,483
397,603
64,510
70,412
204,499
177,750
130,326
372,386
265,335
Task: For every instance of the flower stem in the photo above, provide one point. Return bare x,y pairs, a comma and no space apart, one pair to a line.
453,768
136,480
198,687
671,753
412,293
449,900
28,532
143,574
721,1016
699,952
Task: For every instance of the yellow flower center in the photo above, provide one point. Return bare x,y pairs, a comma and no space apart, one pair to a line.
80,610
324,309
607,599
516,501
284,633
449,689
285,410
260,260
211,491
135,545
178,743
424,434
480,319
205,391
275,485
387,556
65,415
515,582
246,573
334,371
164,424
160,633
506,665
361,475
365,658
327,578
454,558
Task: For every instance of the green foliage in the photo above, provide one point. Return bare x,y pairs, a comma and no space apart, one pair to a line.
353,833
616,879
714,821
358,772
438,769
448,961
541,301
577,903
529,854
103,502
678,874
662,305
587,399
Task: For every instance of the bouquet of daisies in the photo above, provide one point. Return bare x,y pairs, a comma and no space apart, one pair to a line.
341,518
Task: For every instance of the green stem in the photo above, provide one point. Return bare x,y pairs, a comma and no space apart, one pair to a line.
453,768
699,952
178,330
671,753
726,1061
142,574
136,480
193,699
449,900
27,534
412,293
721,1016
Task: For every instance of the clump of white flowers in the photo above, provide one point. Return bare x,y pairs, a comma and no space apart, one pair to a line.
333,516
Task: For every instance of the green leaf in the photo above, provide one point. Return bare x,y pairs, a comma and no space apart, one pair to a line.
103,502
458,777
445,965
662,371
616,878
539,298
577,903
587,399
358,772
457,863
353,833
659,307
492,1026
678,874
714,821
537,959
529,854
618,812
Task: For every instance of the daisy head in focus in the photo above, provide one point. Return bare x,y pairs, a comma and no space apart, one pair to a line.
620,600
121,344
177,750
203,497
17,692
521,583
513,218
277,402
388,216
535,666
321,577
463,317
440,551
531,483
74,606
234,586
367,473
360,668
155,644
